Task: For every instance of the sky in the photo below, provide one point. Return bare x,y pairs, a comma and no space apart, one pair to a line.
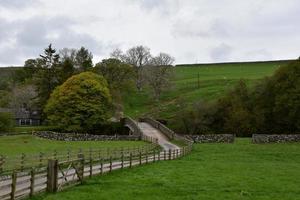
192,31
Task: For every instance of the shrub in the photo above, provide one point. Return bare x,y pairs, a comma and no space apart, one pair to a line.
6,122
80,104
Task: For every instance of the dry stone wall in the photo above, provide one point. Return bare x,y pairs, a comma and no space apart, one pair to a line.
212,138
82,137
264,138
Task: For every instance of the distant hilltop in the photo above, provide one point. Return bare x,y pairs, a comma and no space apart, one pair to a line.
234,63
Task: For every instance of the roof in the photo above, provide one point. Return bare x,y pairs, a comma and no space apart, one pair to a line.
22,113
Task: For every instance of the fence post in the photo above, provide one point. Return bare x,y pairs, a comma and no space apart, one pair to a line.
32,176
176,153
13,185
1,163
41,159
68,154
146,157
110,163
154,155
140,157
81,170
130,160
159,155
52,173
91,167
170,154
165,155
122,159
101,166
22,161
55,154
90,163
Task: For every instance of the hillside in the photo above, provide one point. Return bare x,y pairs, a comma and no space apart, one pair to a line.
197,82
191,83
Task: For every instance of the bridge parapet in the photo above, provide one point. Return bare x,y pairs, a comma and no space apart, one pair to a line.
165,130
132,125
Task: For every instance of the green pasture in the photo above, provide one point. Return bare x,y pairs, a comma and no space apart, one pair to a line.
18,144
239,171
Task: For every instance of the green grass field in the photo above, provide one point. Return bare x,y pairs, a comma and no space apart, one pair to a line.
16,145
212,171
214,81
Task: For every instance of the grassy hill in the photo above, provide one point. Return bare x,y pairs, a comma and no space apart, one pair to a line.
197,82
191,83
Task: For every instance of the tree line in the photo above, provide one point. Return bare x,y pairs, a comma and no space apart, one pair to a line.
34,85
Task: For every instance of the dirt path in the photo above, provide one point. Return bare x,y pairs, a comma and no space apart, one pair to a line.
24,182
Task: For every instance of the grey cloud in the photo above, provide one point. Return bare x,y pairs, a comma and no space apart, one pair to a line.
221,53
195,28
151,4
34,34
18,3
260,54
165,7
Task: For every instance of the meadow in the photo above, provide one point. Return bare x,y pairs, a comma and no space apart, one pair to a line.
192,83
18,144
212,171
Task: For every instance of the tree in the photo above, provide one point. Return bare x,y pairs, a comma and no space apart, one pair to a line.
23,96
68,54
277,101
83,59
80,104
47,77
6,122
119,75
159,73
138,57
163,59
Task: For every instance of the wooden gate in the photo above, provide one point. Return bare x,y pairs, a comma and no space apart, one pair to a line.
65,172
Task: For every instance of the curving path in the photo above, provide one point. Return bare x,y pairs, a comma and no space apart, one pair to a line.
163,141
146,129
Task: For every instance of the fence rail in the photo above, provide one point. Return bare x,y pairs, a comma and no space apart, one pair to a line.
24,162
56,173
53,172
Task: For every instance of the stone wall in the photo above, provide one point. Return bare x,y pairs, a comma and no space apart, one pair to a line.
212,138
82,137
264,138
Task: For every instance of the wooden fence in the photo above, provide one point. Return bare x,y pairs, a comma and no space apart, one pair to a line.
58,173
24,161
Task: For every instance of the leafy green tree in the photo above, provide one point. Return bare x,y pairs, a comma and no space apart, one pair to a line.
80,104
6,122
277,101
119,75
83,59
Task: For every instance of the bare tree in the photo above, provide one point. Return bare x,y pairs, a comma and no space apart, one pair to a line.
23,97
138,57
159,73
163,59
67,54
118,54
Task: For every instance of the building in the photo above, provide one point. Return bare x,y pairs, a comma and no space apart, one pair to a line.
24,117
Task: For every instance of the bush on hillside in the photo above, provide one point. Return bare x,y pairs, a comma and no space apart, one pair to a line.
80,104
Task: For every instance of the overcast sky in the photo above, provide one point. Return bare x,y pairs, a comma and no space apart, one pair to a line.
190,30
